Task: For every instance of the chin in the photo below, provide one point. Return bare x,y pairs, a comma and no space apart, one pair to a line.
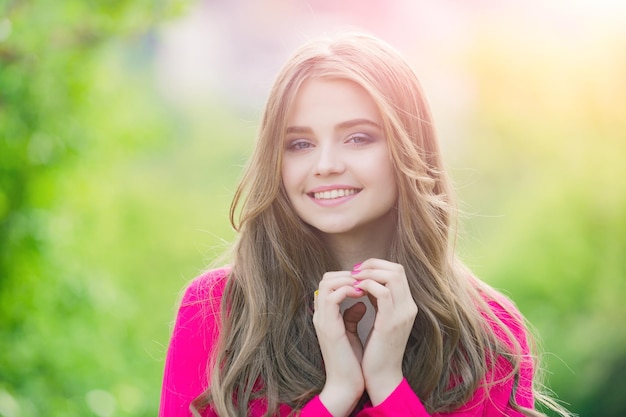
332,230
336,230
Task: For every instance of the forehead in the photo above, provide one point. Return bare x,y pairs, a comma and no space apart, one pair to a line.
332,100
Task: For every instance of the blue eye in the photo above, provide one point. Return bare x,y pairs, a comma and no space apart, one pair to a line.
359,138
299,145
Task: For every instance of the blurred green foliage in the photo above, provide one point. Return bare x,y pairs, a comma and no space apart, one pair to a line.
548,140
89,230
111,199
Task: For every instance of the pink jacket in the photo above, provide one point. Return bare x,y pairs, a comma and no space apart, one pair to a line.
196,330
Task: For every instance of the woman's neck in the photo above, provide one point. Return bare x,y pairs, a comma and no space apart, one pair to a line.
353,248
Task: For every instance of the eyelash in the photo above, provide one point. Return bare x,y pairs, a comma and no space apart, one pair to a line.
360,138
297,145
357,139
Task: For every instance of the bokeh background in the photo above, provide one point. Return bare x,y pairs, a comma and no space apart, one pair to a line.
124,126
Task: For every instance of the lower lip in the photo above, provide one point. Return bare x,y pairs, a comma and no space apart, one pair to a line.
333,201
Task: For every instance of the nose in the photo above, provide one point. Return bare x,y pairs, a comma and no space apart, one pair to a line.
329,161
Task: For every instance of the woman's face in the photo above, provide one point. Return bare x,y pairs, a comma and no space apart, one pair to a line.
336,167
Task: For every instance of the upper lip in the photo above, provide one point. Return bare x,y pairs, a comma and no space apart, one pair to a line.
323,188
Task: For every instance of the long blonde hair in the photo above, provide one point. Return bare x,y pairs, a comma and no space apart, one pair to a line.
267,346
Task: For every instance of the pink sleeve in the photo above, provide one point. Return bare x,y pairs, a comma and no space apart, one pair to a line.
314,408
194,334
493,402
401,402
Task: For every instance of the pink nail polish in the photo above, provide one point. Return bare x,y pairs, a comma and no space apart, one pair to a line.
356,267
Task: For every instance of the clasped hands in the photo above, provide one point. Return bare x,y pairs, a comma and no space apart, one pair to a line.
351,367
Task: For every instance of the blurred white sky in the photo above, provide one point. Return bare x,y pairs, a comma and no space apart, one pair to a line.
232,40
232,49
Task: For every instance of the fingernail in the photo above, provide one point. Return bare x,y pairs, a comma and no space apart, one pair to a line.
357,282
356,266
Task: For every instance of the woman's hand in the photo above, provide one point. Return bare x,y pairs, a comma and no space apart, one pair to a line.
386,284
339,342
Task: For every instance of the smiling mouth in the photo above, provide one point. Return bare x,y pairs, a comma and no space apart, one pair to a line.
332,194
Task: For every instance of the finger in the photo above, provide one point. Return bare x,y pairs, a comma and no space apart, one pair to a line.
341,293
375,263
373,301
331,281
390,311
383,299
329,302
395,276
400,295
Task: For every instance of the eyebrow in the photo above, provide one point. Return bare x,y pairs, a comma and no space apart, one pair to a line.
343,125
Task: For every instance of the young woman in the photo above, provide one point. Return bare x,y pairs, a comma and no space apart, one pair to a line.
345,296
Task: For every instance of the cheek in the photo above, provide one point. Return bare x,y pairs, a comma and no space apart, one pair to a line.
289,177
379,168
387,178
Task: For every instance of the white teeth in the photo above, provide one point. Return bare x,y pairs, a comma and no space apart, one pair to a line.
329,195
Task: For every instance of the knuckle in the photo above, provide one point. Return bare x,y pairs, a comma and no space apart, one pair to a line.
325,277
385,294
324,285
